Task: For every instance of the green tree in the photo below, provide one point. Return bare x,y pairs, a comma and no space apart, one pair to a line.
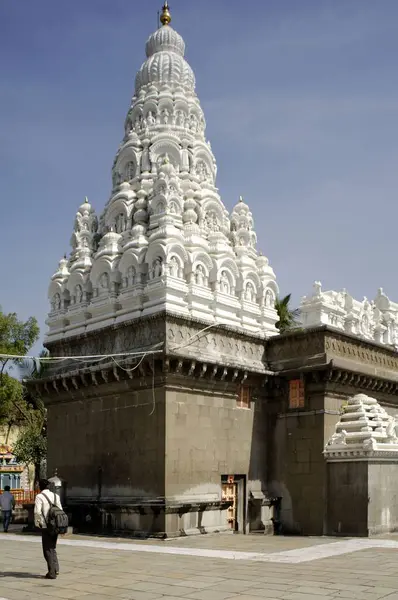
288,317
16,338
17,406
11,399
31,445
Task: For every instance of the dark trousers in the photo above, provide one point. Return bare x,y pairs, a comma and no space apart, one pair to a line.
6,519
49,541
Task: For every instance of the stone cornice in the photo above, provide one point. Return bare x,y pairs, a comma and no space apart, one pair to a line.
161,317
65,344
171,336
360,456
312,348
303,332
322,355
221,345
162,371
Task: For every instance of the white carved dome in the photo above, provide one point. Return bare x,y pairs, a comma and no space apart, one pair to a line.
241,208
86,207
165,38
62,270
165,67
165,63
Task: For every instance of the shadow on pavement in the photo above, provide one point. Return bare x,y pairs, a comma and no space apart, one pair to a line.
20,575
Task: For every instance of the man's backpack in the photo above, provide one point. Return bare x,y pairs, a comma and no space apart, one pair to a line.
57,520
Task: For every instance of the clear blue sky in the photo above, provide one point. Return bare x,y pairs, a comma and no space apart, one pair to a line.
301,102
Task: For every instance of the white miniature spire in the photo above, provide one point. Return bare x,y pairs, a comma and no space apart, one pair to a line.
62,272
364,429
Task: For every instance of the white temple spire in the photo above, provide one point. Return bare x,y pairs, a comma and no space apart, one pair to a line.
165,240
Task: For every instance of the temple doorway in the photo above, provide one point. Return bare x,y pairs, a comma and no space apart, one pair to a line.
233,491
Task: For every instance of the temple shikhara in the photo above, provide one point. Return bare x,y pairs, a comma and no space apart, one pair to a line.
176,406
165,241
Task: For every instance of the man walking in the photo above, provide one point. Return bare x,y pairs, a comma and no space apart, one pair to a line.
7,503
43,503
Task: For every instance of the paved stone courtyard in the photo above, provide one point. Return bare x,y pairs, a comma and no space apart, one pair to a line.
217,567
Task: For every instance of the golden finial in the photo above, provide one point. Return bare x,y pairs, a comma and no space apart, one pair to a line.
165,17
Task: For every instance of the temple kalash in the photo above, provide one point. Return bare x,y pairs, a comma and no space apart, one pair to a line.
187,412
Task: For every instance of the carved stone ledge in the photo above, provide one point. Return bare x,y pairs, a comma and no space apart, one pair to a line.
110,373
323,344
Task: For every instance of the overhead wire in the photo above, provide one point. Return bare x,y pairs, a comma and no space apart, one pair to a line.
198,333
83,357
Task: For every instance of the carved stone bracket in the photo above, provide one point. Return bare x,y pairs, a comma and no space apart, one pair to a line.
192,368
214,372
203,370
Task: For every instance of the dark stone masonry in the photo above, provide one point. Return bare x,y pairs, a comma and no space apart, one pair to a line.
209,433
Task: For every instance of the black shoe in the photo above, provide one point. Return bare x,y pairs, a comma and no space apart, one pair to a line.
49,576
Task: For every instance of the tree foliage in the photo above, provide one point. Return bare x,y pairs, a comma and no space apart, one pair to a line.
31,446
11,398
13,408
17,337
18,405
288,317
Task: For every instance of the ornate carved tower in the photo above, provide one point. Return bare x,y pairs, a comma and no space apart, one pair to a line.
165,240
173,290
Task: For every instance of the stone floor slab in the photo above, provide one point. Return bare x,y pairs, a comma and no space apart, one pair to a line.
104,569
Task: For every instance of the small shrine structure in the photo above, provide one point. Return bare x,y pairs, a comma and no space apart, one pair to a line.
362,464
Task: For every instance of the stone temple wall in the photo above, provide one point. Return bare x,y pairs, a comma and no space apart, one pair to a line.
145,443
160,472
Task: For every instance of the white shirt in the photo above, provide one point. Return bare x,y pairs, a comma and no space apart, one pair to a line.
6,501
42,506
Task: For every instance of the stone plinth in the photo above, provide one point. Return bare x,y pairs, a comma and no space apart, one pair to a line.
362,471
